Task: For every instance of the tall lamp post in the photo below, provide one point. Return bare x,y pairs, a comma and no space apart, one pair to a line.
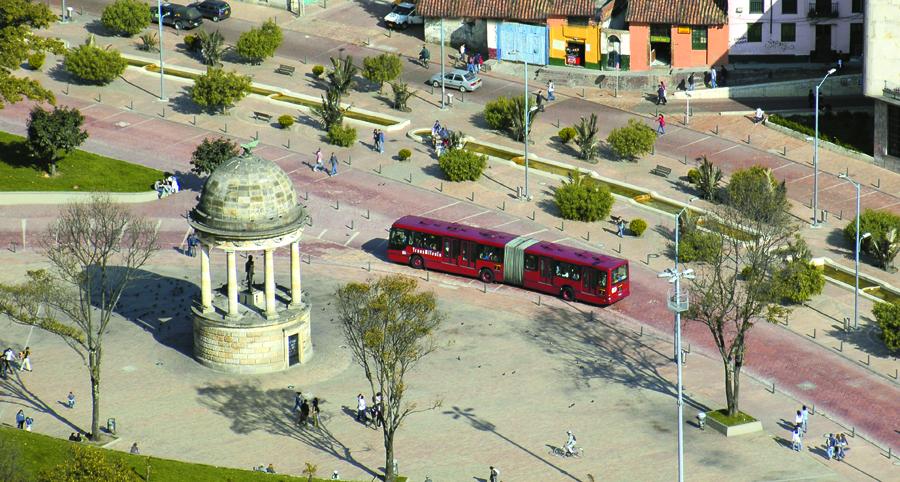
815,203
162,68
525,194
443,91
859,239
677,229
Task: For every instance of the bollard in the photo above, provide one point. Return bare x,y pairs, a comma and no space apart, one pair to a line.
813,409
787,322
773,387
163,115
288,145
853,432
532,217
483,287
67,89
841,348
717,129
351,225
349,159
308,259
896,377
539,300
748,138
562,225
685,160
878,183
131,107
471,198
620,248
306,195
432,89
337,204
257,135
841,214
814,333
368,215
225,130
868,360
784,150
557,122
369,266
689,348
889,455
441,187
99,97
642,331
462,96
194,122
588,237
409,178
503,206
427,275
653,150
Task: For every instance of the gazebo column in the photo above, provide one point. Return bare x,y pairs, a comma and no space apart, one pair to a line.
296,294
232,284
270,282
205,280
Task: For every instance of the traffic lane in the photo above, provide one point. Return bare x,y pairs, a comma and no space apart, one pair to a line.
751,103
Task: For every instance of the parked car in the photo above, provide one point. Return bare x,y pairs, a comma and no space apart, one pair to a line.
403,15
457,79
214,10
178,16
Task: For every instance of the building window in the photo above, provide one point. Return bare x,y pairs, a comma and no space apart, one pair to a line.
893,131
857,6
756,6
789,32
788,6
754,32
698,38
856,39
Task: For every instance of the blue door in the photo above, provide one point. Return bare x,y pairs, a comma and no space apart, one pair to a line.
520,42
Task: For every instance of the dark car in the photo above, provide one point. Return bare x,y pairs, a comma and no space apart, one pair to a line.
178,16
214,10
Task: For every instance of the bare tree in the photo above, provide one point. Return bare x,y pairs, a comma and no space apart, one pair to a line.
95,250
389,328
734,289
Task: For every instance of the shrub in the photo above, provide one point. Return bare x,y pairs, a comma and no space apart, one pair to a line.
693,176
586,137
637,226
258,44
747,188
581,199
404,154
36,60
809,131
318,70
884,241
699,246
632,140
888,317
286,121
498,113
126,17
462,165
217,89
93,64
382,68
211,47
340,135
149,42
191,42
566,134
798,281
211,153
88,463
706,179
401,95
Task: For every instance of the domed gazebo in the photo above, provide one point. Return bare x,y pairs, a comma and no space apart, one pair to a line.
249,204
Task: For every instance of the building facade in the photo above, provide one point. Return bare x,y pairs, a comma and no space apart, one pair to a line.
881,78
795,30
677,33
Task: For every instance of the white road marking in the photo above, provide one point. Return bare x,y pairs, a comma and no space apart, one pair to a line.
438,209
356,233
560,239
508,222
473,215
723,150
323,231
688,144
535,232
802,178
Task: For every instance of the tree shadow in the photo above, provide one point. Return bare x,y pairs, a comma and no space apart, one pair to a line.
184,104
866,339
468,415
14,392
15,154
59,73
434,170
97,28
250,409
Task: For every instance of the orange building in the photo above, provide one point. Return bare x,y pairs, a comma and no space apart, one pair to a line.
677,33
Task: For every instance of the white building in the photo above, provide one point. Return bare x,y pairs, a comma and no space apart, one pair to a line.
881,78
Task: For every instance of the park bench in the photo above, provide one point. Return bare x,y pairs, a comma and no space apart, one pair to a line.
262,116
662,171
285,70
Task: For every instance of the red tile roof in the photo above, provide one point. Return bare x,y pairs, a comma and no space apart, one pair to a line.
678,12
525,10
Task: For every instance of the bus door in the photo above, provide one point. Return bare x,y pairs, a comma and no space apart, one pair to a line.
451,251
589,281
545,273
466,254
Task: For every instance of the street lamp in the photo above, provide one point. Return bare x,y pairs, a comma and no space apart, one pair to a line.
527,112
815,203
859,239
677,225
162,68
443,90
678,302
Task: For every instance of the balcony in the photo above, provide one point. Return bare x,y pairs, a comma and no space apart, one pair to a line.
823,10
891,91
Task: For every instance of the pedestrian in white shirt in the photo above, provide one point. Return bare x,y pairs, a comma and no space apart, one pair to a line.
361,408
798,421
804,412
796,440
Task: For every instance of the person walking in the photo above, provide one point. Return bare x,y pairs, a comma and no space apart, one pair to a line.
690,82
661,128
479,62
374,139
380,141
298,400
315,411
661,94
378,414
20,419
539,100
804,412
842,446
712,77
494,474
620,228
361,408
4,363
796,440
551,89
70,400
798,422
304,413
320,166
830,442
193,241
28,423
25,356
334,164
462,53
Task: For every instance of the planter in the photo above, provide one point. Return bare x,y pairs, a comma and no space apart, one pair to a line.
733,430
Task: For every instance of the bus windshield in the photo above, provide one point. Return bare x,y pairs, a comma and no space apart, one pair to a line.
399,239
620,274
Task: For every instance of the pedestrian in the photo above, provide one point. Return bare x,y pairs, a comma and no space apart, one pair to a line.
470,65
462,52
435,134
379,410
550,90
10,355
494,474
28,423
805,413
830,442
20,419
798,422
25,356
539,99
661,94
334,163
374,139
315,411
796,440
270,469
70,400
661,129
193,241
304,413
361,408
479,61
380,141
320,166
134,449
4,363
620,227
842,446
298,400
690,82
335,475
449,100
712,77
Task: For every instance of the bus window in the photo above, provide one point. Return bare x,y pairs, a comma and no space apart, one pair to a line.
399,238
601,280
490,253
427,241
531,262
620,274
568,271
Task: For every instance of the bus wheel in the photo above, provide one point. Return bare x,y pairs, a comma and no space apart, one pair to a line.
417,262
567,294
486,275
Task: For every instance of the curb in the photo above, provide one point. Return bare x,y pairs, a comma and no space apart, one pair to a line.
18,198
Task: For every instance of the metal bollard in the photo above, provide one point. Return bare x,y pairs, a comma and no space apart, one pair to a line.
67,88
532,217
484,287
163,115
337,204
562,225
99,97
784,150
369,266
503,206
471,198
539,300
642,331
717,129
194,122
588,237
773,388
368,215
351,225
288,145
131,107
409,178
225,130
441,187
748,138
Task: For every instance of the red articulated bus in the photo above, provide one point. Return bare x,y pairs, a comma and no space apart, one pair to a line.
494,256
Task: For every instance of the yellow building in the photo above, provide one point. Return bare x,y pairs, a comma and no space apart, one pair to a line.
574,41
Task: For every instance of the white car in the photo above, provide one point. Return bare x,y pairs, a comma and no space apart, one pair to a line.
403,15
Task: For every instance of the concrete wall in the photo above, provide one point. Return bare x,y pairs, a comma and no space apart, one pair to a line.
684,55
839,85
640,46
457,31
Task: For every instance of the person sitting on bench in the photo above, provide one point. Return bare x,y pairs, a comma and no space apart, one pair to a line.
760,116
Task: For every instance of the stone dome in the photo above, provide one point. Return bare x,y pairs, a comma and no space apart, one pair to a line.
248,198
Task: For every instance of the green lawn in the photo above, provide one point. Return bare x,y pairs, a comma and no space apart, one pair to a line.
722,417
40,451
79,171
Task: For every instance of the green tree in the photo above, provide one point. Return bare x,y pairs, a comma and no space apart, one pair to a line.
309,470
887,315
382,68
126,17
54,134
329,112
462,165
884,243
95,250
217,89
342,73
88,464
582,199
341,135
498,113
389,327
797,280
93,64
212,47
258,44
707,179
211,153
18,20
586,137
401,95
632,140
747,186
517,118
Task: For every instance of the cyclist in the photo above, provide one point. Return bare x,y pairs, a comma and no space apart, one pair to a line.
570,443
424,56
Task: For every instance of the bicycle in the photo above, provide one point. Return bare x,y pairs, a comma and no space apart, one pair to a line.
561,452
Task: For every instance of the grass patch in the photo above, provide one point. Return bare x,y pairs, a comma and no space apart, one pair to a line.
79,171
850,130
722,417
